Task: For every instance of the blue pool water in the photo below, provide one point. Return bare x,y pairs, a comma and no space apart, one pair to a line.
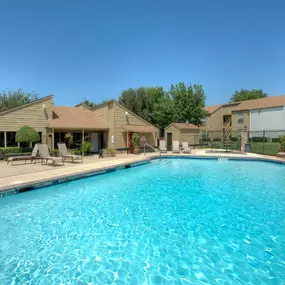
173,221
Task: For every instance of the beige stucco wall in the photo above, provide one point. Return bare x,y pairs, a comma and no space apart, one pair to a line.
33,115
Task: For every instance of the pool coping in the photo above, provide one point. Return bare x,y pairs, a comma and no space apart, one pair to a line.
31,185
58,179
224,157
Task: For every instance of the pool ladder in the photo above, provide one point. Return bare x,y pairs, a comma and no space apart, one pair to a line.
144,147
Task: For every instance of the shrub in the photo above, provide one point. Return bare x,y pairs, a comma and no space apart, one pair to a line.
258,139
86,147
281,140
217,139
12,150
234,139
109,151
26,149
76,151
205,140
27,134
54,152
136,140
7,150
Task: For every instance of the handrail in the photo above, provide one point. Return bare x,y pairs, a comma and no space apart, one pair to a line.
226,130
147,144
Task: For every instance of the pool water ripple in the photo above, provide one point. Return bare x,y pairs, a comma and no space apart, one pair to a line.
173,221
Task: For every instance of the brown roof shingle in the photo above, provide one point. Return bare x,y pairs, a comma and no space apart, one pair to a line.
75,118
139,129
212,109
269,102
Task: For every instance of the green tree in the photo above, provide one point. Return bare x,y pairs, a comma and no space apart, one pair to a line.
188,103
90,104
163,112
245,94
86,147
142,100
27,134
10,99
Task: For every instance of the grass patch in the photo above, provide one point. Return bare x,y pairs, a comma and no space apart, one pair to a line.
269,148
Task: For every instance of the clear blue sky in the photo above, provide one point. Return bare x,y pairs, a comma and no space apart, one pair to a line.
95,49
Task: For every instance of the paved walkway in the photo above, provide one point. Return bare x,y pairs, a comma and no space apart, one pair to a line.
20,175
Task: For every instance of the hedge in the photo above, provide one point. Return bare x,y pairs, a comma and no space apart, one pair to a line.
205,139
7,150
259,139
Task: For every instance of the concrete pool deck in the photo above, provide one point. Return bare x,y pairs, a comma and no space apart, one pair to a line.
22,175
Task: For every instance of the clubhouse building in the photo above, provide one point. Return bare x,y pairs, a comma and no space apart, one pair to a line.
108,125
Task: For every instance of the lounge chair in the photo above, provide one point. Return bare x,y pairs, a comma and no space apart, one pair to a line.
45,155
64,153
175,147
162,147
32,157
185,147
281,153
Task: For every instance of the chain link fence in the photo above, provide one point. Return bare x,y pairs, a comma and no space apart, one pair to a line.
265,142
261,142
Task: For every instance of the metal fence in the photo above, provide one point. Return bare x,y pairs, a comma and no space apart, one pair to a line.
265,142
261,142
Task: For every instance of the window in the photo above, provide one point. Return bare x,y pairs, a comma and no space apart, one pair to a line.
204,134
240,118
11,139
40,134
1,139
204,121
77,138
62,135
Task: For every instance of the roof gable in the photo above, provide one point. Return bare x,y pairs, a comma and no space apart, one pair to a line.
133,114
212,109
183,126
37,101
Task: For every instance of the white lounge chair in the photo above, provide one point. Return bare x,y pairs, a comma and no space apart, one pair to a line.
45,155
185,147
175,147
32,157
64,153
162,147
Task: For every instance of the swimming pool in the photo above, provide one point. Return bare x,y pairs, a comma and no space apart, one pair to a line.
173,221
